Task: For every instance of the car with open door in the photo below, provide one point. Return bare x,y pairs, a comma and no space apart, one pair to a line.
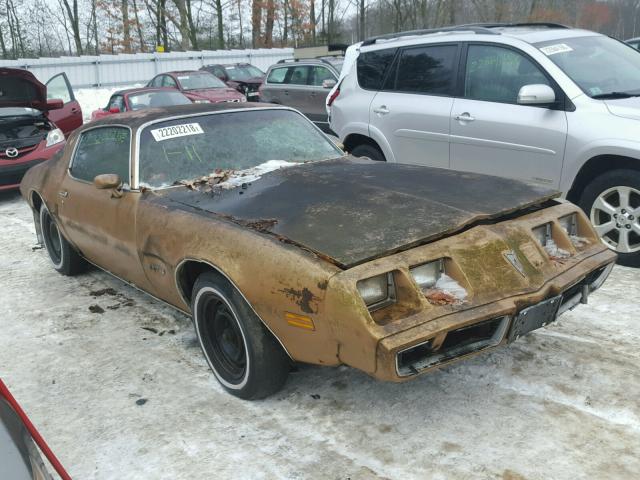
133,99
284,249
34,120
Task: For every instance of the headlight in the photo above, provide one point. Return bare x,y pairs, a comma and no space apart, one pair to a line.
427,275
202,100
378,291
569,223
54,136
543,233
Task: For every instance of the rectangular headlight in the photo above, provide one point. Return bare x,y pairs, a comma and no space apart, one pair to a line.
427,275
377,291
543,233
569,223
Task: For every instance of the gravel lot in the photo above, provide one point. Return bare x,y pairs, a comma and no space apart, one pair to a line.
117,385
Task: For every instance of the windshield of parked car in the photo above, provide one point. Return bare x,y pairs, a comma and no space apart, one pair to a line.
601,66
243,72
187,149
141,100
199,81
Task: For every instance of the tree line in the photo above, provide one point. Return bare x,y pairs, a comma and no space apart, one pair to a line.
35,28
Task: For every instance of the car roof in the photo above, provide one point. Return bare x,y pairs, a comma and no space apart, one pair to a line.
129,91
533,32
315,61
182,72
137,118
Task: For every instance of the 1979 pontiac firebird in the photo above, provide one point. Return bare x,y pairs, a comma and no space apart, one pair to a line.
283,249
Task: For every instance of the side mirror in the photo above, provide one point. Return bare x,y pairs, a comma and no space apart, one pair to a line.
54,103
114,110
107,181
329,83
536,94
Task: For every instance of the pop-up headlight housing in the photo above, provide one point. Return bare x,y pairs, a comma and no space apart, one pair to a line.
377,292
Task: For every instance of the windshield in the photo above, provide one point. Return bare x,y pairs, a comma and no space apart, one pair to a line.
156,99
187,149
243,72
599,65
200,81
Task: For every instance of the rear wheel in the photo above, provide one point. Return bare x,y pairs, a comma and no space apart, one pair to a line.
612,202
63,256
366,150
243,355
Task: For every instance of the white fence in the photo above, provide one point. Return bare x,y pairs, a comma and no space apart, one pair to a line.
127,69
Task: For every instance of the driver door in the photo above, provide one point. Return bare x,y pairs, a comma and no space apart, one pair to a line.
101,223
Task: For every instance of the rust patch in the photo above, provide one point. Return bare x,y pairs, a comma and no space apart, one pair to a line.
304,298
438,297
263,225
323,284
207,181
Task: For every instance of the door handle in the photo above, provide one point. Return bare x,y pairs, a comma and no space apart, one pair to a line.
381,110
63,194
465,117
74,109
286,92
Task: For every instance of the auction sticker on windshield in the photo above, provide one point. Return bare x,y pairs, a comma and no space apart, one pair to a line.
557,48
182,130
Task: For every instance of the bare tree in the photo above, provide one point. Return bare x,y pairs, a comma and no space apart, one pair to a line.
74,20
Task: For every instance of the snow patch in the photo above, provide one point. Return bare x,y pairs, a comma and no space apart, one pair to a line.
238,177
446,291
555,251
578,242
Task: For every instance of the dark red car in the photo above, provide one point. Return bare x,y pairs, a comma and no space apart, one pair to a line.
198,86
244,77
34,120
139,98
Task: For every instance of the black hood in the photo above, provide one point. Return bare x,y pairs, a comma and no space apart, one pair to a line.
353,210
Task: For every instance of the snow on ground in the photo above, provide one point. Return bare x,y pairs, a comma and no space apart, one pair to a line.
117,401
91,99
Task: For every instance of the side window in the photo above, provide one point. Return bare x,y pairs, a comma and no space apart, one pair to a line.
156,82
102,150
167,81
57,88
219,72
372,67
496,74
116,101
298,75
428,69
320,74
277,75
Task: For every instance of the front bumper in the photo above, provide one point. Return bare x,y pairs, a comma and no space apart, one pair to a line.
462,334
12,171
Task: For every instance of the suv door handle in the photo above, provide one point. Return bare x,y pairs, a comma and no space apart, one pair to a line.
381,110
465,117
63,194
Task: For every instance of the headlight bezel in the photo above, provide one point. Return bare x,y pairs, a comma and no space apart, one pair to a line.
54,137
543,233
424,284
569,223
388,291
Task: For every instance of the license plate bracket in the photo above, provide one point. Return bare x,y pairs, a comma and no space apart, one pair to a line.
534,317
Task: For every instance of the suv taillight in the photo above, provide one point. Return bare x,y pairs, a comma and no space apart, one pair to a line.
333,96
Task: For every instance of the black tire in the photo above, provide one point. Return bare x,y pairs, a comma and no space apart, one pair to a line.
598,187
64,257
244,356
366,150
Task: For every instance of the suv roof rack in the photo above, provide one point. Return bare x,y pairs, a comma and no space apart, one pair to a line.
519,24
428,31
291,60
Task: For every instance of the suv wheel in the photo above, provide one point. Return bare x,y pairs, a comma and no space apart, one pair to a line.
370,151
612,202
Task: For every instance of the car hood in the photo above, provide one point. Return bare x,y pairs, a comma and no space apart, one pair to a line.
249,81
352,210
20,88
214,94
625,107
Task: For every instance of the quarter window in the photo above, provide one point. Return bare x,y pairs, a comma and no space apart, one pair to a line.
372,67
427,70
167,81
496,74
320,74
102,150
277,75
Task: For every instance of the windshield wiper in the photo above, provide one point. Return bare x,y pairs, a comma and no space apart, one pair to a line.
613,95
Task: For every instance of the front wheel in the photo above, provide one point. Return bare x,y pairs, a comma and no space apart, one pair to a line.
243,355
370,151
612,202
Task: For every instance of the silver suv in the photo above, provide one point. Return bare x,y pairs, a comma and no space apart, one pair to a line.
538,102
302,84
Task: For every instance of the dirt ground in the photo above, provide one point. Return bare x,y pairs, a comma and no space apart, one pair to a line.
117,385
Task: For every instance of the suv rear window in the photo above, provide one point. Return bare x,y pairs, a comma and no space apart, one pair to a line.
372,67
427,70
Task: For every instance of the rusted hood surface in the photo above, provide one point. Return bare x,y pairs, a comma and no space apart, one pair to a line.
353,210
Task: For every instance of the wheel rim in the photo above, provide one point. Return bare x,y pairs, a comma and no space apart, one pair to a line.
614,215
52,239
223,340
